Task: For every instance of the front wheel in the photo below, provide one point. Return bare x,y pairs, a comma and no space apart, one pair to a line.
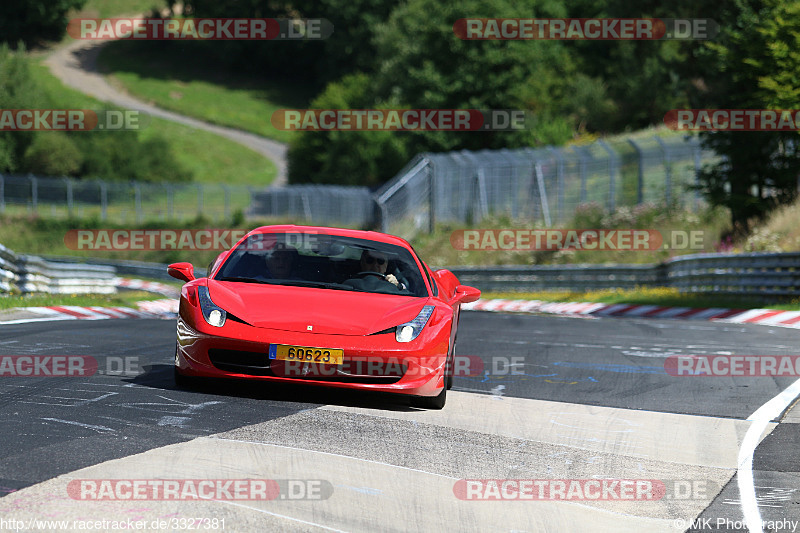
430,402
181,381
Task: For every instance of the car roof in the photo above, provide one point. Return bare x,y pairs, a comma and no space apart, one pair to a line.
342,232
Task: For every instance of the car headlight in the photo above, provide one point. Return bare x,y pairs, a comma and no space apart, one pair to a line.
410,330
214,314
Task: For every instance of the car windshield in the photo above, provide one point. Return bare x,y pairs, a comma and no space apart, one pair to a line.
326,262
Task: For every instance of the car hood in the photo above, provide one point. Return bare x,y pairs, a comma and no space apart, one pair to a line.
327,311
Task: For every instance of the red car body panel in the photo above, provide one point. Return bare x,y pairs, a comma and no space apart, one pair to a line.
359,323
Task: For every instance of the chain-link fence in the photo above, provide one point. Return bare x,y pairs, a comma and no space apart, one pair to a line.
539,184
534,184
316,204
119,201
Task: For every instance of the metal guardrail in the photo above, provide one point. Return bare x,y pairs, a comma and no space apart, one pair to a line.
559,277
752,274
27,274
157,271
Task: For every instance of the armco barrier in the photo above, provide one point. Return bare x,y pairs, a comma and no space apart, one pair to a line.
751,274
124,267
559,277
28,274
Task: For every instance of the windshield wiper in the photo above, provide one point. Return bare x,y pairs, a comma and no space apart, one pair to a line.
319,285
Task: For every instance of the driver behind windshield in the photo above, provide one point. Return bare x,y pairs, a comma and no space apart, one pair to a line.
281,261
375,261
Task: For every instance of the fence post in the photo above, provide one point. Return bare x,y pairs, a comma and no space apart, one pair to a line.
227,208
559,182
103,200
306,206
480,195
137,194
542,193
170,201
585,155
34,193
640,177
515,196
612,175
431,199
69,196
697,167
667,171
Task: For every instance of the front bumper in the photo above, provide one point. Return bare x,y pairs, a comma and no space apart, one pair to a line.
371,362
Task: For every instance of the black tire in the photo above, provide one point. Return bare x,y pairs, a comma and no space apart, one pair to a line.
181,381
451,368
430,402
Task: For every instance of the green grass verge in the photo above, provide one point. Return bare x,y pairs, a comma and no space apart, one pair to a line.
121,299
45,236
662,296
211,158
111,8
181,78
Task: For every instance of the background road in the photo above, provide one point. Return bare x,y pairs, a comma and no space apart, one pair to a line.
549,398
75,64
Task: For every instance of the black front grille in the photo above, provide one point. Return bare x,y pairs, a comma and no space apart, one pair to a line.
340,378
241,362
350,372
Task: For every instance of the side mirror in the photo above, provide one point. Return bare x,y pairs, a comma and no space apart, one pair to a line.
181,271
446,280
465,294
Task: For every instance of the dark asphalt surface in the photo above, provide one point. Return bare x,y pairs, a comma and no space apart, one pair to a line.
52,426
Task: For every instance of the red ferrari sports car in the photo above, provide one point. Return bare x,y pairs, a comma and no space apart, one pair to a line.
323,306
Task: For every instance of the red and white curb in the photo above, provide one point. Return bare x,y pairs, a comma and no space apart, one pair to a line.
770,317
165,309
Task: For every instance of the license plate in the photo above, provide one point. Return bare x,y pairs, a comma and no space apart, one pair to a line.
306,354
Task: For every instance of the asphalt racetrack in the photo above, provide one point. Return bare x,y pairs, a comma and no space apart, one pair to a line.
538,398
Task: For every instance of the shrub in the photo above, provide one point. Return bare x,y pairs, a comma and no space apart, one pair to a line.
52,153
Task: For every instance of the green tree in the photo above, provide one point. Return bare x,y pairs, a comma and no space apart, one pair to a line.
318,62
754,64
17,91
121,155
345,157
32,21
420,63
52,153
